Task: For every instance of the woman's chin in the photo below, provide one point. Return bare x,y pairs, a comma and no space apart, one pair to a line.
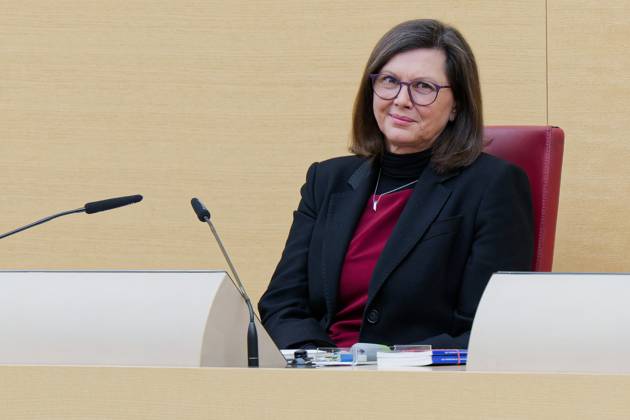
405,146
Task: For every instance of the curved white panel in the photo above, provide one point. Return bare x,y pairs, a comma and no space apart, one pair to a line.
552,322
129,318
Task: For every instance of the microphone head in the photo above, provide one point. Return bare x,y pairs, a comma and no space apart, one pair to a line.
111,203
200,210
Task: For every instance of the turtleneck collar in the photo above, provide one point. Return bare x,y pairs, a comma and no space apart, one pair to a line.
404,166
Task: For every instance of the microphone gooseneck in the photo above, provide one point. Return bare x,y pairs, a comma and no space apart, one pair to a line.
89,208
39,222
252,335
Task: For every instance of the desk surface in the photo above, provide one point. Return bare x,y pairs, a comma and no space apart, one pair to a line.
59,392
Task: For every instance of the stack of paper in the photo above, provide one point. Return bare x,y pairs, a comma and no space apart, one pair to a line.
406,358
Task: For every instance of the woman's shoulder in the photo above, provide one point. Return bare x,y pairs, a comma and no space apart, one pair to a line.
339,167
341,163
330,174
489,172
327,176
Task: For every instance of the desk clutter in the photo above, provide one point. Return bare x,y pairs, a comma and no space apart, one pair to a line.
375,354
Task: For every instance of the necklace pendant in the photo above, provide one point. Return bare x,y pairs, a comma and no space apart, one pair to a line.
378,179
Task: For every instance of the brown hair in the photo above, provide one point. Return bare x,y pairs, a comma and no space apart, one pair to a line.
461,141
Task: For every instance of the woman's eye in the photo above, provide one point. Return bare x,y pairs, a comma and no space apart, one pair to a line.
423,87
389,80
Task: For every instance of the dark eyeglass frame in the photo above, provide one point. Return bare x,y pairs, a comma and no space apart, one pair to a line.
437,87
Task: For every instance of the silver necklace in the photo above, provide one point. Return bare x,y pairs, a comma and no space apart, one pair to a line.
376,199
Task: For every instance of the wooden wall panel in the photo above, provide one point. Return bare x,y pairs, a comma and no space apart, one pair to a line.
227,101
589,97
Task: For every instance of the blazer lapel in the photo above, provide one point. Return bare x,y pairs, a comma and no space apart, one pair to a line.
344,211
420,212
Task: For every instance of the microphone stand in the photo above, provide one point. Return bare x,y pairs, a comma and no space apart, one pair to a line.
252,335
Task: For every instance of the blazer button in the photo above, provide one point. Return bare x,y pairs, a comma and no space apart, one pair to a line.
373,316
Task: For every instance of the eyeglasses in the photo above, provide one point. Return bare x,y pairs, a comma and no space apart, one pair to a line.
421,92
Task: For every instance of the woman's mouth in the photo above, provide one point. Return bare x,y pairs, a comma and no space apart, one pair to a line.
401,119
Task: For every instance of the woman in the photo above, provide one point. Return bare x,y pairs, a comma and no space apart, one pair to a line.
396,244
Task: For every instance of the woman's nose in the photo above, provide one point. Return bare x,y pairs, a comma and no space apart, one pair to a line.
403,98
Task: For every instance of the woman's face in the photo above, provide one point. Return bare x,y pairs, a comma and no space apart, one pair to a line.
408,127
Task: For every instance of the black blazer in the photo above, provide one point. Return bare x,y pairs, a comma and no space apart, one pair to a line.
455,231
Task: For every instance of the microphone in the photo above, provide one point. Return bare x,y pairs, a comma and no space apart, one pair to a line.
202,212
89,208
111,203
252,335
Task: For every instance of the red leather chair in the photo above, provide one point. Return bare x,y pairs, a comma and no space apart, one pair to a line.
538,150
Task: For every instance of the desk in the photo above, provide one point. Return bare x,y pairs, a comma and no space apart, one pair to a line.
59,392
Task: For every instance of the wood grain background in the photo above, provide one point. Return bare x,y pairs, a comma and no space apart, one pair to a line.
231,101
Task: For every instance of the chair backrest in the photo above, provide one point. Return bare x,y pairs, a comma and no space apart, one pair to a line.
538,151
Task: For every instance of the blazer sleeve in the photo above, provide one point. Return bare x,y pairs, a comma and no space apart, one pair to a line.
284,308
503,241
